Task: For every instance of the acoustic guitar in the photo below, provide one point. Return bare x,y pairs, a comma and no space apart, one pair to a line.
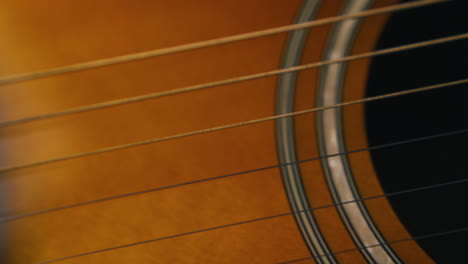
247,131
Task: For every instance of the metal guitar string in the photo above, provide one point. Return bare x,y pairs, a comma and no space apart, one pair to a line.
421,237
252,77
229,126
123,59
20,216
204,44
244,78
309,110
272,217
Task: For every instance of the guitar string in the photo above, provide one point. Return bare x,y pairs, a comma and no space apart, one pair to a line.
431,235
21,216
412,190
204,44
244,78
382,146
421,237
3,170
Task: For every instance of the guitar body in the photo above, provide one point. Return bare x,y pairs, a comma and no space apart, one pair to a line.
45,35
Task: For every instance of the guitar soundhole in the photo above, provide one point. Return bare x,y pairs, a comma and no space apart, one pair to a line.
424,114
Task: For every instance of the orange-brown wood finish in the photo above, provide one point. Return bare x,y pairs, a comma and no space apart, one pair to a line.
63,32
41,35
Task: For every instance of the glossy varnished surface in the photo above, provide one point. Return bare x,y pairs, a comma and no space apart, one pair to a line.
42,37
62,32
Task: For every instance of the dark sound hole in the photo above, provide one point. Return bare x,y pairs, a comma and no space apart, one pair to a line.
428,162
